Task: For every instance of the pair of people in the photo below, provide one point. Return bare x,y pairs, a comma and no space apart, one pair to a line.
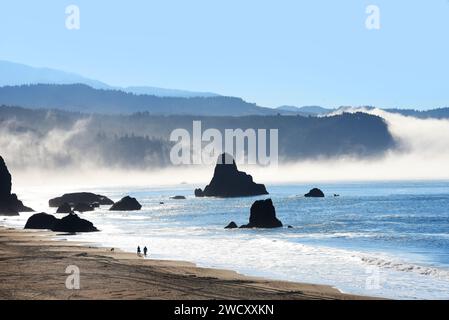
145,251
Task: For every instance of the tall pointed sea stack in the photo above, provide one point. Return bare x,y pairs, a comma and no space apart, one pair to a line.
228,182
9,204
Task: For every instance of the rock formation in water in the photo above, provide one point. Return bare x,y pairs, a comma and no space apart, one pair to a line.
64,208
228,182
232,225
41,221
71,223
314,193
80,197
83,207
126,204
9,204
263,215
199,193
178,198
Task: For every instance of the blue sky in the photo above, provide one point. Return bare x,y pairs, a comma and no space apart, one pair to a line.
283,52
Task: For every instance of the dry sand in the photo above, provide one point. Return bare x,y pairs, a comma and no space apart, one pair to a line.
32,266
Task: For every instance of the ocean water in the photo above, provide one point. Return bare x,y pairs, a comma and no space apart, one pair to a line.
387,239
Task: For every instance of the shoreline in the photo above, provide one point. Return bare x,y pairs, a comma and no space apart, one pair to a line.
33,265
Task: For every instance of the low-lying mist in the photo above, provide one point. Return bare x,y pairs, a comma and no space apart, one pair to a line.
64,157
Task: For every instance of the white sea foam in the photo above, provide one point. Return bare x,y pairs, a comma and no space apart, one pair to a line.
407,267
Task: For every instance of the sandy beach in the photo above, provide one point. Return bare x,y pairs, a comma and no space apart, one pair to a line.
32,266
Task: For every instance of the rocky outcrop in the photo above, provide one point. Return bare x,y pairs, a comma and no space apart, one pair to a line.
71,223
314,193
228,182
41,221
80,197
126,204
95,205
5,179
199,193
232,225
178,198
263,215
83,207
64,208
9,203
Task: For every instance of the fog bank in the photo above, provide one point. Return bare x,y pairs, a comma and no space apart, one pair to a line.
422,154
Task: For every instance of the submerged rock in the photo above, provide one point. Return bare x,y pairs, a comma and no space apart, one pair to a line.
41,221
314,193
64,208
9,203
232,225
80,197
73,223
178,198
263,215
126,204
228,182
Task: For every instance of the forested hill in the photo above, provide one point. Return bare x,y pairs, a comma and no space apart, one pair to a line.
142,139
82,98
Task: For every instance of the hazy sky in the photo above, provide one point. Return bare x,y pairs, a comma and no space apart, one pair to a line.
269,52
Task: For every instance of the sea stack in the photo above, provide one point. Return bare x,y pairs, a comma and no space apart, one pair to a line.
70,223
41,221
232,225
83,207
73,223
314,193
126,204
228,182
9,204
65,208
199,193
263,215
73,199
178,198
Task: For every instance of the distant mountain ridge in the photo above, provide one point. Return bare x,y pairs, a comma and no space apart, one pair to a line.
306,110
438,113
162,92
22,85
83,98
16,74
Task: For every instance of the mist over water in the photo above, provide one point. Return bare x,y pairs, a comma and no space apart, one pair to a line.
27,149
59,156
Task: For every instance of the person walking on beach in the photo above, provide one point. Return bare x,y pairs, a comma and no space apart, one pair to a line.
145,250
138,250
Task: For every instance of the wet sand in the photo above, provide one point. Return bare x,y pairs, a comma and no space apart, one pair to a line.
32,266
